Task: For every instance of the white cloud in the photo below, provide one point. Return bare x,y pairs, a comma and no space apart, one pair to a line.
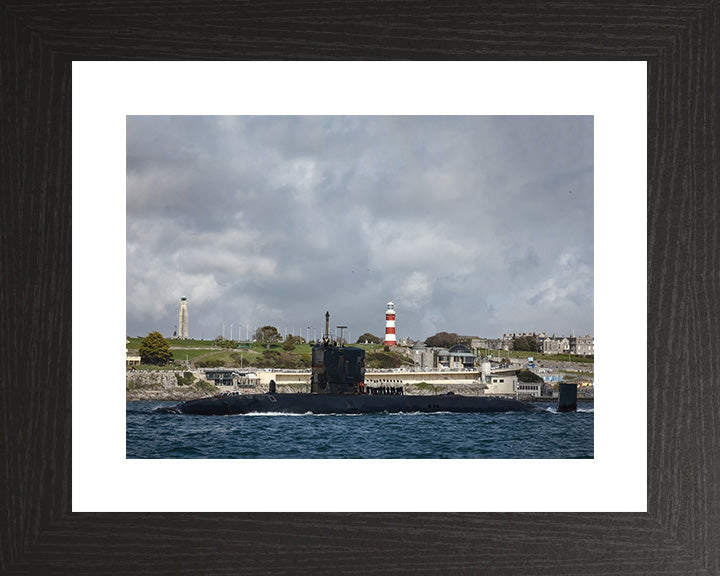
415,291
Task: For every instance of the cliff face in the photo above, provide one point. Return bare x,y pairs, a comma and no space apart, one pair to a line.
166,385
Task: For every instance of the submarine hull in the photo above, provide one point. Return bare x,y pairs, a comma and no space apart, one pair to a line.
346,404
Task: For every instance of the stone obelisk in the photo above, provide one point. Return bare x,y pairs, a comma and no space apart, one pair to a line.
183,321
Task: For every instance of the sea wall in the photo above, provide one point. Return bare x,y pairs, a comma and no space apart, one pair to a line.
151,385
160,385
422,390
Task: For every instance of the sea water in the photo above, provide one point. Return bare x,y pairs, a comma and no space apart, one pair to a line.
547,434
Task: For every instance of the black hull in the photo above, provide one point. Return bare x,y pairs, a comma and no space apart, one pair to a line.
346,404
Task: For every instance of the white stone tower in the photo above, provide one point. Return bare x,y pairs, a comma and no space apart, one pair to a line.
390,339
183,321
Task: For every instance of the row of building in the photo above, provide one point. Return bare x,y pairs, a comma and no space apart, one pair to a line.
462,357
579,345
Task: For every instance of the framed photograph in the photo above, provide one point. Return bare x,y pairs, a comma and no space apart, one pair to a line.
58,398
534,139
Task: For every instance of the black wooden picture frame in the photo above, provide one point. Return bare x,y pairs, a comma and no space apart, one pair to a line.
680,533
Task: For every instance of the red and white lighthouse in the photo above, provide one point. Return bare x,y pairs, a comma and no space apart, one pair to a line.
390,339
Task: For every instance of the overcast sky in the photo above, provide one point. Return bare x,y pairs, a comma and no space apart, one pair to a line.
478,225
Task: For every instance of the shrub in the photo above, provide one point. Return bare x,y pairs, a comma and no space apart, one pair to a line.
187,379
526,375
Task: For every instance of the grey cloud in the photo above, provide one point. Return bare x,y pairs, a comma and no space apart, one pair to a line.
458,220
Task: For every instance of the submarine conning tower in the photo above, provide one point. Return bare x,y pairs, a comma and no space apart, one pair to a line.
336,369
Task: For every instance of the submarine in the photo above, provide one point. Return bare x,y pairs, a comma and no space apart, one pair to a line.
337,387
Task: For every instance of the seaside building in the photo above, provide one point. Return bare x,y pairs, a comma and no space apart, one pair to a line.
183,320
459,357
579,345
423,356
131,359
582,345
235,379
554,345
499,382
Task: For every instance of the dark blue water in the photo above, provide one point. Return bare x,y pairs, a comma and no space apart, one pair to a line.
443,435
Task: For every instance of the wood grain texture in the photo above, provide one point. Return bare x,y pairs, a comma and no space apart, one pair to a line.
681,532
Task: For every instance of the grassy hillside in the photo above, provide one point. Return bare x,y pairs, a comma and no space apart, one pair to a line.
379,359
211,353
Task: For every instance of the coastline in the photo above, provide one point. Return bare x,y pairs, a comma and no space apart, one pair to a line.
177,386
189,384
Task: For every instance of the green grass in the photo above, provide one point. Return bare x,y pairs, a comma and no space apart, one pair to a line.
424,386
205,387
579,373
181,355
150,367
567,358
523,354
134,343
228,358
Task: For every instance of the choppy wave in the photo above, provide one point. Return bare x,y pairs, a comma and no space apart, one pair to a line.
553,410
411,435
263,414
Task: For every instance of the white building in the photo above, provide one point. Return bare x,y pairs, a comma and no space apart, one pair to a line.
131,359
505,384
529,389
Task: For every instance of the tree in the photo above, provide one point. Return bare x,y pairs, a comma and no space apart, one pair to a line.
267,335
289,343
525,375
368,338
155,350
526,343
222,342
443,340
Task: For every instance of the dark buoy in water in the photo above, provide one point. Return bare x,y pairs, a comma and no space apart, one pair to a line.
567,398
